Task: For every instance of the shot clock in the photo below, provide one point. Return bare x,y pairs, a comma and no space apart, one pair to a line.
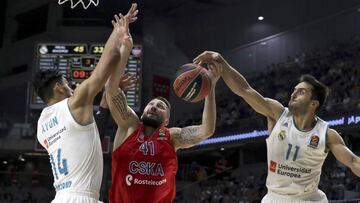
77,62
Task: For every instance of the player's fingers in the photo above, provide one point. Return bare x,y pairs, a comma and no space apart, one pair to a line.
113,23
211,67
125,78
132,75
117,18
218,66
121,19
135,13
203,57
132,8
129,87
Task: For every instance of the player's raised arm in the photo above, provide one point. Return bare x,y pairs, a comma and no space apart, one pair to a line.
81,104
123,115
342,153
189,136
238,84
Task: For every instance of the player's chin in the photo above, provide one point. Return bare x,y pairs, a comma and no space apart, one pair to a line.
152,122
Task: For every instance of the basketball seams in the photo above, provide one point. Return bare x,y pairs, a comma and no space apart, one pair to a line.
205,87
191,92
192,83
191,74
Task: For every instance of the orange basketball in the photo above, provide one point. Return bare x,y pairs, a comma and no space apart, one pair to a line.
192,83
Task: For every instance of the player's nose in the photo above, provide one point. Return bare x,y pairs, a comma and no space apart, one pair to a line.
153,109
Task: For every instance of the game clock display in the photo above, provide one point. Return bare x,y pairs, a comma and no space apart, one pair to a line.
77,62
78,74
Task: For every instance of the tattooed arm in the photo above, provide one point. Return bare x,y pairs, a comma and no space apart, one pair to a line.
123,115
189,136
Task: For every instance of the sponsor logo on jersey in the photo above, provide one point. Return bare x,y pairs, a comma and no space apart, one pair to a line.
161,135
272,166
292,172
130,181
282,135
146,168
314,141
56,136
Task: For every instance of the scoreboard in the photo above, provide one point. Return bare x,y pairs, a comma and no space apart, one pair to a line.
77,61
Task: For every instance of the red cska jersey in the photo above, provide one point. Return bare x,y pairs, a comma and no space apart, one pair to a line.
143,170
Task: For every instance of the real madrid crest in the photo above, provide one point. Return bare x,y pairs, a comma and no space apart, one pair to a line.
282,135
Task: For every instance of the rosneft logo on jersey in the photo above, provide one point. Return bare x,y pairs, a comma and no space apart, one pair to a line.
272,166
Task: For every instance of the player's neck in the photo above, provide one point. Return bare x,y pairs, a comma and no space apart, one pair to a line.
305,122
148,131
53,101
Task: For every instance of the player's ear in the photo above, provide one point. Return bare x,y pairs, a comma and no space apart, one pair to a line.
59,87
166,122
315,103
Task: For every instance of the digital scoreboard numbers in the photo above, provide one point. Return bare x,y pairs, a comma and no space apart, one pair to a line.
77,62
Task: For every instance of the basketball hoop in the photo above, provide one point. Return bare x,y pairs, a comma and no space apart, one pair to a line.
74,3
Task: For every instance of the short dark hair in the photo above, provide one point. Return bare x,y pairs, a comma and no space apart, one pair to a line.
43,82
165,101
319,91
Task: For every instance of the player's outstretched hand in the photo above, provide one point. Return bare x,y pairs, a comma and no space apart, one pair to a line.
121,27
127,81
131,15
208,57
215,70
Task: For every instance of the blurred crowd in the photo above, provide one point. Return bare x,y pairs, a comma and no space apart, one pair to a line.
22,183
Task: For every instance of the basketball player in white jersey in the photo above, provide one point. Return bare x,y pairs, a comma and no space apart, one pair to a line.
299,141
66,127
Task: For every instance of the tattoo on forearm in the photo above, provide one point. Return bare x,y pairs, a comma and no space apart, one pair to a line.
119,101
189,135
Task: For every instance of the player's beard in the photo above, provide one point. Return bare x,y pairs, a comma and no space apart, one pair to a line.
151,122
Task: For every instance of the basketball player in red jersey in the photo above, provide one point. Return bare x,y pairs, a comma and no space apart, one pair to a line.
144,160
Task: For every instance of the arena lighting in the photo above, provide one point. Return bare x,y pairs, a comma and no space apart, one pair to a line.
261,18
5,162
21,158
341,121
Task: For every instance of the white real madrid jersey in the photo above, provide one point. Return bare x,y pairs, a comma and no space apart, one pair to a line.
75,150
295,157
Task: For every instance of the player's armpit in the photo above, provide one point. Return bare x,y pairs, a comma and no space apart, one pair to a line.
187,137
342,153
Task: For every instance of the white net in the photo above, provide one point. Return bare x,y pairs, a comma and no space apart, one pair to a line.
84,3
